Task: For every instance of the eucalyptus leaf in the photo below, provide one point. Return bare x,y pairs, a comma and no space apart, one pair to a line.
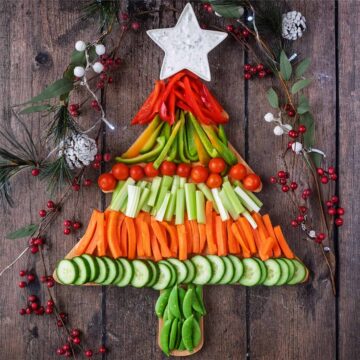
25,231
59,87
299,85
309,136
273,98
302,67
285,66
303,106
78,58
227,10
35,108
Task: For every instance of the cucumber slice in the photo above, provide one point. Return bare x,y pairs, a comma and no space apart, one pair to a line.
181,270
252,272
165,277
291,266
84,270
94,267
191,271
121,272
67,271
218,268
284,271
203,270
113,270
154,273
229,271
142,273
103,270
238,267
300,273
263,271
273,272
173,271
128,272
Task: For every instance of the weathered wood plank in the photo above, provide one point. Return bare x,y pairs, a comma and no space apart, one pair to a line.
349,169
295,322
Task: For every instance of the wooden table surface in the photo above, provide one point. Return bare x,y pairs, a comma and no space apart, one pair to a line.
301,322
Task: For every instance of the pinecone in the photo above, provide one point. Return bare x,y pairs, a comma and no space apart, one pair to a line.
293,25
79,150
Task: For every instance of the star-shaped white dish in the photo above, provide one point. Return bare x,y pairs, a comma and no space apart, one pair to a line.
186,45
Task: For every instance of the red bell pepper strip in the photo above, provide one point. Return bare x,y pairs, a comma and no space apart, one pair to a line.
172,101
164,112
180,104
170,85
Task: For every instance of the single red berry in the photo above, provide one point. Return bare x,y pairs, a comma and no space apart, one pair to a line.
281,174
291,113
66,347
302,129
300,218
261,74
34,305
76,225
49,310
247,76
22,272
35,172
253,70
67,231
22,284
73,107
307,192
102,349
60,351
67,354
76,187
94,104
124,16
303,209
34,249
229,28
273,180
285,188
39,241
31,277
50,204
321,236
324,179
293,185
320,171
245,33
117,61
103,76
28,310
67,223
247,67
334,199
282,181
59,323
339,221
98,157
43,278
333,177
331,170
110,80
32,298
76,340
124,27
50,283
100,84
294,223
293,134
340,211
87,182
22,312
332,211
63,315
42,213
135,25
289,145
96,165
329,203
260,67
88,353
107,157
50,303
75,332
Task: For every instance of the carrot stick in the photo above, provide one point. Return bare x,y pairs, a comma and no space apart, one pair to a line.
282,242
202,234
124,239
112,234
174,244
161,237
188,236
265,249
181,232
144,233
258,219
234,247
221,236
131,230
155,247
240,239
270,229
82,245
212,248
100,234
139,241
195,236
257,239
245,226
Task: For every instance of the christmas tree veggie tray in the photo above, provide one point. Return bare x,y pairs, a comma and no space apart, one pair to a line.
183,212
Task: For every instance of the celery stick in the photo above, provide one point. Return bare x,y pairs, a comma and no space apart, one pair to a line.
133,200
223,213
182,182
123,208
250,219
200,207
116,192
161,212
172,202
121,196
154,189
256,200
142,184
233,198
228,206
146,208
180,206
164,188
190,200
247,199
145,193
209,196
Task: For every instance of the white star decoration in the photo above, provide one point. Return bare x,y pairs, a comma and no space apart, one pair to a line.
186,45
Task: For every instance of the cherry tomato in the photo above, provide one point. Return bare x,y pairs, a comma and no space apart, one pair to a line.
238,172
217,165
137,172
150,171
199,174
120,171
107,182
214,181
183,170
251,182
168,168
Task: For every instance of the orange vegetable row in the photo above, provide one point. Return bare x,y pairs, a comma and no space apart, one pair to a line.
113,234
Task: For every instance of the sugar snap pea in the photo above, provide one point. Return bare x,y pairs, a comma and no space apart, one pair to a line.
164,337
161,303
196,333
181,346
199,293
179,337
173,334
174,302
182,294
188,303
187,333
196,304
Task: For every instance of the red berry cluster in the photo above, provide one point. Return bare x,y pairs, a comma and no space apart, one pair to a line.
300,218
326,175
135,25
252,70
289,110
74,110
35,243
282,179
208,8
68,224
34,307
295,133
99,158
306,193
29,276
335,210
48,280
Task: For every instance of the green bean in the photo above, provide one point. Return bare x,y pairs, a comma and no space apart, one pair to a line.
199,293
187,333
196,333
174,302
162,302
164,337
188,302
173,334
